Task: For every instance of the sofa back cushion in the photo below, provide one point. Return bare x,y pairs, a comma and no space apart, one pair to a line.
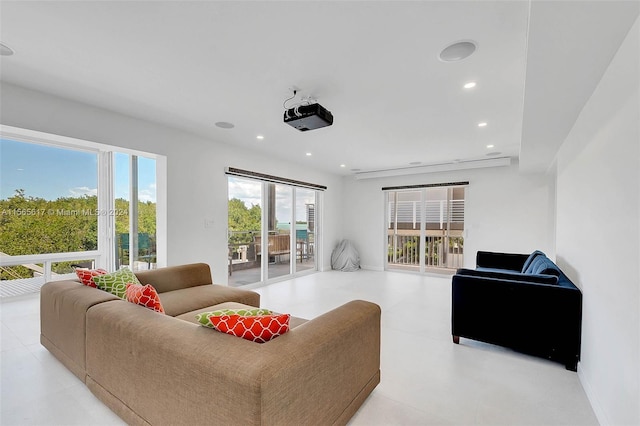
176,277
541,264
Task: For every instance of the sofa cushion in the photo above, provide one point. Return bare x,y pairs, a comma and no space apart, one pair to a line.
86,275
203,317
116,282
144,295
259,329
190,299
530,259
542,265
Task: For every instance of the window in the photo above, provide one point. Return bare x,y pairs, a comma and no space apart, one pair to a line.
425,226
62,200
49,199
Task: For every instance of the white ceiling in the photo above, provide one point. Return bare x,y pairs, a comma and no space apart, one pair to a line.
374,65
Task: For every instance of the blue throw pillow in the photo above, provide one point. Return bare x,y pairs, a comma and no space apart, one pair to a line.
530,259
543,265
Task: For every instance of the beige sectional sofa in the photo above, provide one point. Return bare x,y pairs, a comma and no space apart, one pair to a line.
159,369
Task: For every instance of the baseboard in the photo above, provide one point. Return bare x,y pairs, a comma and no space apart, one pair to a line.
372,268
592,396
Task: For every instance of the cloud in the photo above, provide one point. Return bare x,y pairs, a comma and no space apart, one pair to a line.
247,191
81,191
146,195
250,192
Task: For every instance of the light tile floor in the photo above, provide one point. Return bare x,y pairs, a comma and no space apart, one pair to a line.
426,379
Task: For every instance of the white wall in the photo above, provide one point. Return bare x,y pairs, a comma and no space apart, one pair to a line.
197,184
598,229
504,211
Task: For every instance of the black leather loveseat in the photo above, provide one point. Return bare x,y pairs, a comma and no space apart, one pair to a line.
521,301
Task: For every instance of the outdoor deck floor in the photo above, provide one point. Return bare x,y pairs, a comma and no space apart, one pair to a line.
242,277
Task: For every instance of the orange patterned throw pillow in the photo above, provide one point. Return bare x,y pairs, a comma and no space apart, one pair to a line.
258,329
85,275
144,295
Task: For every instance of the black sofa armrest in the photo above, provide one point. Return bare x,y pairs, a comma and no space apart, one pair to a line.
495,260
511,276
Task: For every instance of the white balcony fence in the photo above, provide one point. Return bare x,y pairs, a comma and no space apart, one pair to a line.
42,271
440,251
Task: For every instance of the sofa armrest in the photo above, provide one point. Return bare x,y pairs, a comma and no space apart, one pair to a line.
511,276
495,260
333,363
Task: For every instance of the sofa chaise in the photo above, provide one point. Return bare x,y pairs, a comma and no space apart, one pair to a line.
157,369
521,301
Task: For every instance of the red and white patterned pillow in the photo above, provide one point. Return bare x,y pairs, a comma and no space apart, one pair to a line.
260,329
86,275
144,295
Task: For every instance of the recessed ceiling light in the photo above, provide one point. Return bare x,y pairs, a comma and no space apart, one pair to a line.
343,165
260,137
225,125
470,85
490,146
308,154
5,50
458,51
483,124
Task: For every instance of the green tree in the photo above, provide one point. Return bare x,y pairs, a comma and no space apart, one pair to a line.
32,225
243,221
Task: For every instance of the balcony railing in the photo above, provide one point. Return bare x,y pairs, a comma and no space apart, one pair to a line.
245,248
27,273
440,251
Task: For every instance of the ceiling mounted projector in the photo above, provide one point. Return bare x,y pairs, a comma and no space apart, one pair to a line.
308,117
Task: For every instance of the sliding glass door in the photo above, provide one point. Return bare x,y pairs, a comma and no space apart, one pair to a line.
305,226
279,215
272,242
405,229
245,231
425,228
135,211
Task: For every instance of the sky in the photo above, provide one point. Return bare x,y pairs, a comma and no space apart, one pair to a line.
50,173
249,191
